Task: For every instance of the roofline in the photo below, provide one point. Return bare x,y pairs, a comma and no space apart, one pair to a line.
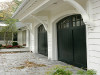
20,7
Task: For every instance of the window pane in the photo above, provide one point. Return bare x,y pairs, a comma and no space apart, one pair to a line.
73,18
78,18
78,23
73,24
67,25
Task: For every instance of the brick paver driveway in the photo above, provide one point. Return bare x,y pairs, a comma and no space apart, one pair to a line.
26,63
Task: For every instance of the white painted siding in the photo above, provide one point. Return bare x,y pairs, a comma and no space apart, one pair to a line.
94,39
93,36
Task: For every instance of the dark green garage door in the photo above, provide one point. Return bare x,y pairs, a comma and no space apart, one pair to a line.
71,37
42,40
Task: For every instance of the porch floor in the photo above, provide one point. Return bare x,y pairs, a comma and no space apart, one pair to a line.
12,64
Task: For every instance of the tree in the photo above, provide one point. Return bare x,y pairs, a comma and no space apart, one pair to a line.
5,16
9,30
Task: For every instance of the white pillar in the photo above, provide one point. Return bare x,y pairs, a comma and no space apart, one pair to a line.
20,38
32,42
52,43
27,38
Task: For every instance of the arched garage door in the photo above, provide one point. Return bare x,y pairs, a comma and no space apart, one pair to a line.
42,40
71,37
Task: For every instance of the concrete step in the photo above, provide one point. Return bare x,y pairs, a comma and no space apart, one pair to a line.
15,50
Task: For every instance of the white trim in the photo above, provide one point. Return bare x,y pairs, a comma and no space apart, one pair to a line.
54,33
80,9
44,24
36,37
41,6
20,8
64,14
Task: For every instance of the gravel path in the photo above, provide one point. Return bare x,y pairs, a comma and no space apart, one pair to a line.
17,64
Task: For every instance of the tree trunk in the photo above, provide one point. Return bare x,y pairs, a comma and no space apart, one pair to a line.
5,38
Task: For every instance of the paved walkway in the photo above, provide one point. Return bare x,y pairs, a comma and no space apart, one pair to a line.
21,64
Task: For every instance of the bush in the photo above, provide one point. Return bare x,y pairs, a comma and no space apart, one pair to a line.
91,72
17,46
14,43
9,46
81,72
0,45
88,72
59,70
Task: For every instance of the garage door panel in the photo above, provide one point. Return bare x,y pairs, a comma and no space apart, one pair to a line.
65,45
71,39
79,46
42,41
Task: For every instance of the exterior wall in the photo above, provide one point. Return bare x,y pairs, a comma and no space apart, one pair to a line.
20,38
94,38
93,35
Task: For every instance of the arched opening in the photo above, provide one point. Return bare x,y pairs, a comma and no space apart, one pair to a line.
71,40
42,41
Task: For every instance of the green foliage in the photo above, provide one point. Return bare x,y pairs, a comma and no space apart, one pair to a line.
88,72
11,26
17,2
81,72
14,43
59,70
62,70
9,30
68,72
0,45
91,72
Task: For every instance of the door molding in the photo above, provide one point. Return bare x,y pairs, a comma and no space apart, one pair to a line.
83,12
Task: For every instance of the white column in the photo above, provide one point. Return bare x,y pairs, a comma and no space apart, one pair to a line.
27,38
32,42
20,38
52,43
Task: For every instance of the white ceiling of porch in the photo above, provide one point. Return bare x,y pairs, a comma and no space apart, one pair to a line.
61,6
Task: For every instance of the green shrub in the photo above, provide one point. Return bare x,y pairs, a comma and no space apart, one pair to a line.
14,43
0,45
88,72
59,70
81,72
91,72
68,72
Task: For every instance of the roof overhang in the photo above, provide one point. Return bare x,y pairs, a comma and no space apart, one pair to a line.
21,13
20,8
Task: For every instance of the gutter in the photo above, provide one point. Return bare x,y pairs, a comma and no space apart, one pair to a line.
20,8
